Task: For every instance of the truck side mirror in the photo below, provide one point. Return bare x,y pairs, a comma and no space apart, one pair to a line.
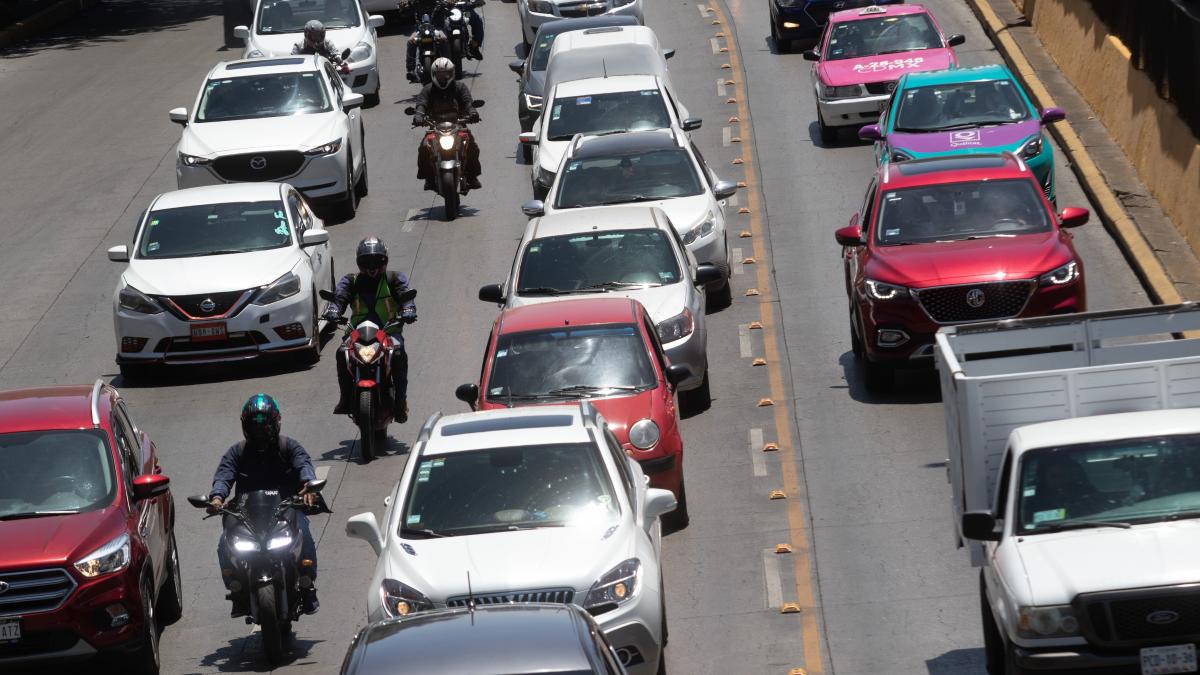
980,525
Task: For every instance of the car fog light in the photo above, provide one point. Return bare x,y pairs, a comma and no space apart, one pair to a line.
290,331
888,337
133,344
790,24
116,615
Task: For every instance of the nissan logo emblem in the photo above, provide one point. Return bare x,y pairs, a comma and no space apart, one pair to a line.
1162,617
258,163
3,587
975,298
207,305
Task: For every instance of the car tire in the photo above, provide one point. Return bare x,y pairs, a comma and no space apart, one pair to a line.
828,134
363,186
720,297
349,205
699,399
170,598
993,642
662,596
146,658
527,153
312,354
856,343
781,46
678,519
371,100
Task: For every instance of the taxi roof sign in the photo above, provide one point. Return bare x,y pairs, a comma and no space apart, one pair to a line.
873,9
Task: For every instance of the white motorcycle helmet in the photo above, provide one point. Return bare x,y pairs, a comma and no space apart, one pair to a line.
442,72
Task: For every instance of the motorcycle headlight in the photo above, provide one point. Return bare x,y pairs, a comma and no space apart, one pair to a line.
367,353
447,142
616,587
109,558
702,230
544,177
326,149
1032,148
533,102
847,91
877,290
244,545
540,6
1060,276
134,300
900,156
361,52
643,434
284,287
400,599
1047,621
279,542
677,327
193,160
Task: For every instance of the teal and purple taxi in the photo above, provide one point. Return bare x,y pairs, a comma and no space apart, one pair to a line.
965,111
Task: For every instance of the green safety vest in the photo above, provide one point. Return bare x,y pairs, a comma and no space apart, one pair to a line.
385,304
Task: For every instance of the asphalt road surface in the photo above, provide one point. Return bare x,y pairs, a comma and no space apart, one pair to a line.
86,144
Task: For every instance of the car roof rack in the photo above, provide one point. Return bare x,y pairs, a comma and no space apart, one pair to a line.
95,402
427,428
589,413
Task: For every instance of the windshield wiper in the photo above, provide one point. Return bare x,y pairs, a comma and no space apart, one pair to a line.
990,236
588,388
224,251
630,199
36,514
618,284
425,534
541,290
1080,525
1182,515
906,49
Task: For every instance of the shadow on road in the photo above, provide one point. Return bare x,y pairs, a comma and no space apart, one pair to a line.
958,662
910,386
117,20
246,655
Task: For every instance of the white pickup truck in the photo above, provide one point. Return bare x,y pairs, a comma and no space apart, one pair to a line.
1075,466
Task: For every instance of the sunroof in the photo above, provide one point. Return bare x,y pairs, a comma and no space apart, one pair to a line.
262,63
920,166
507,423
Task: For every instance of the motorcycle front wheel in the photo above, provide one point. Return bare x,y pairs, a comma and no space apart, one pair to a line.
268,621
366,424
449,189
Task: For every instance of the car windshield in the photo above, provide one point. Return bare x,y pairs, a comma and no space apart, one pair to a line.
1125,481
597,261
607,113
275,95
959,106
289,16
642,176
881,35
513,488
955,211
46,473
214,229
572,362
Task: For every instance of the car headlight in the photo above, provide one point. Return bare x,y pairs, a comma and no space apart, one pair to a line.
279,542
361,52
367,353
540,6
193,160
134,300
702,230
841,92
677,327
245,545
1032,148
533,102
326,149
111,557
643,434
447,142
1060,276
900,156
616,587
877,290
1048,621
254,54
401,599
284,287
544,177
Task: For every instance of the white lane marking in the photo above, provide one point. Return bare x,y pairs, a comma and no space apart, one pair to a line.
703,10
322,472
737,260
726,135
744,341
721,87
733,201
756,454
771,576
409,219
716,46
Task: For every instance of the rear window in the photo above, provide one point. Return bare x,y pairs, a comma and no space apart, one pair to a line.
607,113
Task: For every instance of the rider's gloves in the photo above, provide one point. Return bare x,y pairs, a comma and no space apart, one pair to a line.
409,316
331,314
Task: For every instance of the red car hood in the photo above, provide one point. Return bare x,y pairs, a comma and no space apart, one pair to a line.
969,261
56,540
883,67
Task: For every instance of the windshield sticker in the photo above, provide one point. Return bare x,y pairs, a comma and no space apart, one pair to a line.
892,233
1047,516
573,166
664,275
153,222
895,64
649,92
1029,492
152,246
556,113
583,100
965,137
501,353
438,462
282,229
413,519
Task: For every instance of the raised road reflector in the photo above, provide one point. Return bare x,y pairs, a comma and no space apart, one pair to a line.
789,608
778,494
770,447
783,548
759,362
755,325
750,292
764,402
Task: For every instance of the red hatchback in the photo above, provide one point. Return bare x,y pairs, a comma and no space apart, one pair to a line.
605,350
953,240
88,563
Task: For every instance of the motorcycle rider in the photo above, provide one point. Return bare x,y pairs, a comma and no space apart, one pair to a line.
265,460
441,46
441,12
445,99
315,43
373,295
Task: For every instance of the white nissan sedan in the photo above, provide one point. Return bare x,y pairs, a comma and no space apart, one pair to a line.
221,273
536,504
286,119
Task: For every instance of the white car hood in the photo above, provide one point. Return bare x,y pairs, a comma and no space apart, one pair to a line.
1060,566
209,274
662,302
550,154
684,212
282,43
553,557
293,132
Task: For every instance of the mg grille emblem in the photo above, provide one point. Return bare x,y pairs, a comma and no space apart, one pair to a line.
1162,617
207,305
3,587
976,298
258,163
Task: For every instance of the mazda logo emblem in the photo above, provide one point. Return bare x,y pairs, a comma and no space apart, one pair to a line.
207,305
1162,617
976,298
3,587
258,163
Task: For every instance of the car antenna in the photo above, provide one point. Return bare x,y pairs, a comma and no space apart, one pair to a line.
604,65
470,598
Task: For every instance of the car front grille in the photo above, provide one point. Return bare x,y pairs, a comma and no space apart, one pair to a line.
205,305
574,10
562,596
1125,619
820,10
258,166
975,302
881,88
35,591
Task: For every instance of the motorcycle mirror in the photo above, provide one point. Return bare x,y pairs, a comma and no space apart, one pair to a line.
315,485
478,103
410,110
408,295
326,295
345,53
198,501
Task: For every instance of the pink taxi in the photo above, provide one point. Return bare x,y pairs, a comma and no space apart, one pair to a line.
861,55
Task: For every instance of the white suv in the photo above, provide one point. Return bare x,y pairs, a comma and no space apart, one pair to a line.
535,504
534,13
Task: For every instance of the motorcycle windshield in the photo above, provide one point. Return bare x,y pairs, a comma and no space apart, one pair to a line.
260,508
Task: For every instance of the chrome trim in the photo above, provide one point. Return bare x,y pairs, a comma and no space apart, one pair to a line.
427,428
95,403
550,595
9,598
922,352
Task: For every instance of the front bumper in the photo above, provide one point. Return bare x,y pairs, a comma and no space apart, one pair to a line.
321,177
635,631
363,77
530,21
848,112
691,352
712,248
1079,660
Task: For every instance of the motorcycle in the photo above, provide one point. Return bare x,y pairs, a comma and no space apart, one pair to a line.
369,360
447,139
458,30
264,544
428,50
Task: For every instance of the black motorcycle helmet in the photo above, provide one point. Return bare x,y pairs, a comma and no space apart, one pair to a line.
260,422
371,256
314,33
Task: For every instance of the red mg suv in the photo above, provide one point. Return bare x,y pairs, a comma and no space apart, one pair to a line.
953,240
605,350
88,563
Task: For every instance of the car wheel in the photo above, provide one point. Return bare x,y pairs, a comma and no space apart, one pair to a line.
856,344
721,297
350,201
312,354
372,99
527,153
662,596
146,658
828,133
781,45
699,399
363,187
170,601
993,643
678,519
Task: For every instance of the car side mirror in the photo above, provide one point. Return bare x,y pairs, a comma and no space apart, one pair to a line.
955,40
492,293
313,238
1073,216
534,208
811,55
677,374
364,526
528,138
351,101
658,504
241,32
870,132
179,116
410,110
724,189
980,526
692,123
1053,114
119,253
850,235
478,103
516,66
467,393
150,485
668,53
315,485
376,21
707,274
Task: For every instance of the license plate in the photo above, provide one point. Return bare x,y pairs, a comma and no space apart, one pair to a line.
10,630
208,332
1169,659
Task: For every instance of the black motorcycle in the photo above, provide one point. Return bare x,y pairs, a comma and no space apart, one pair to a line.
458,30
447,139
263,541
369,361
429,48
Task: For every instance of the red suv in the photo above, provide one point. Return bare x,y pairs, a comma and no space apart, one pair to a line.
88,563
605,350
953,240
